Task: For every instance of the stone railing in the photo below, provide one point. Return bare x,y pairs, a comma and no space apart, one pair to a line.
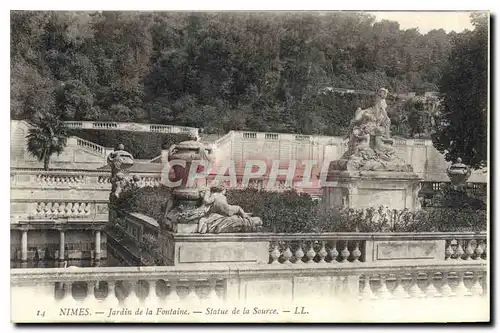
42,210
32,210
445,291
91,146
366,247
317,248
64,178
61,209
133,127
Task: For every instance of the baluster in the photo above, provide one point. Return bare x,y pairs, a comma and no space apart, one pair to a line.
339,286
191,296
62,209
478,251
469,250
151,299
383,292
40,209
449,251
345,253
399,291
212,294
299,254
367,293
431,290
445,288
173,296
311,253
275,254
461,289
55,209
287,254
87,208
356,253
68,210
476,289
334,253
322,253
68,299
91,299
81,209
133,298
459,252
75,209
415,290
48,209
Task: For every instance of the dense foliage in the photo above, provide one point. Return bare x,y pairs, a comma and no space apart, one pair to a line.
462,130
146,200
220,71
142,145
294,212
291,212
457,198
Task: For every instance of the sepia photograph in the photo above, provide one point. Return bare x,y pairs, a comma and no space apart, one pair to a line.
249,166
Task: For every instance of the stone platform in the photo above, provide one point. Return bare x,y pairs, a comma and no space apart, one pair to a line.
204,249
364,189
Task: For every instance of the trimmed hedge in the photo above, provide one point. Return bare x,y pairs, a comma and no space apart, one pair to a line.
146,200
142,145
291,212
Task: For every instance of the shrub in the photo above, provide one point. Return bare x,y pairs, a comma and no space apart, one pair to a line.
146,200
292,212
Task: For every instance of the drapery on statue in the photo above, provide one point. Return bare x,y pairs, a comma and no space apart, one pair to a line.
221,217
370,145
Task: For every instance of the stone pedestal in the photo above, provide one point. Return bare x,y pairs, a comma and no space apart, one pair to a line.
206,249
363,189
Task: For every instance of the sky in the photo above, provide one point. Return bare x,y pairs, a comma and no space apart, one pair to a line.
426,21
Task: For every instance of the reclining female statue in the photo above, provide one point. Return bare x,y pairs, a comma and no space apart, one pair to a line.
221,217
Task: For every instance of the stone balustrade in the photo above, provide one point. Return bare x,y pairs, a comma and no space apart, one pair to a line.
55,209
44,210
134,127
450,288
84,179
92,146
344,248
466,247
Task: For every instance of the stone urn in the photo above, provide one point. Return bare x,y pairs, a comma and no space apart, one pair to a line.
191,151
458,173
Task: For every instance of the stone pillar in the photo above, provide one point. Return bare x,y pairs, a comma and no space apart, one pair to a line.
98,245
61,244
24,245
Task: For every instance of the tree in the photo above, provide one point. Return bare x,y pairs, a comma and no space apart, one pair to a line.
48,136
461,129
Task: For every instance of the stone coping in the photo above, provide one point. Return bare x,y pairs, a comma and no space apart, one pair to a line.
143,218
31,276
375,175
70,172
327,236
94,201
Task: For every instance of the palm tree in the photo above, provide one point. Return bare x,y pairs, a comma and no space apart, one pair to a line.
47,136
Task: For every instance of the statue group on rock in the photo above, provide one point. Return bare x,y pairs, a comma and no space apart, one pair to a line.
370,146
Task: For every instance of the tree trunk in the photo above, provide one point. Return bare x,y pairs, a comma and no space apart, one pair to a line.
46,160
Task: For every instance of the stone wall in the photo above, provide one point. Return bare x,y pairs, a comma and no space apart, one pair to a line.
427,162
